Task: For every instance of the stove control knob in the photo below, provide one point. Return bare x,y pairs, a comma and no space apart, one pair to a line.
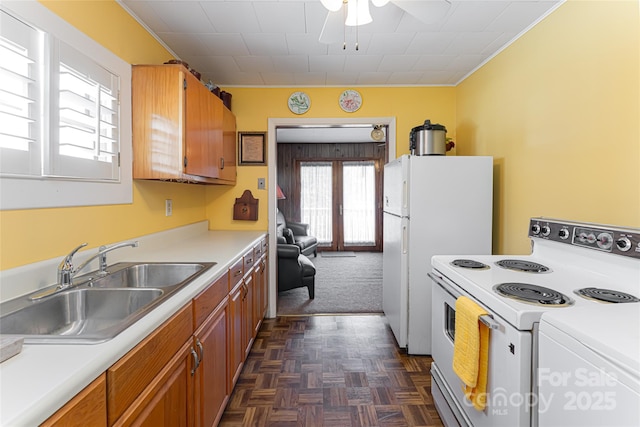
535,229
623,243
605,241
546,230
563,233
591,238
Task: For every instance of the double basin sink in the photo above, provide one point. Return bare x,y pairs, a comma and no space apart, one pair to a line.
99,307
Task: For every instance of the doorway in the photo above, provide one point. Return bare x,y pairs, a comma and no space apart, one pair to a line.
274,175
339,199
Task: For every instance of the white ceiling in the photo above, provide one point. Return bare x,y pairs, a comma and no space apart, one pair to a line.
276,42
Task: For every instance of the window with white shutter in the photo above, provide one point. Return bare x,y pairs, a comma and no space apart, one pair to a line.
21,50
65,110
84,140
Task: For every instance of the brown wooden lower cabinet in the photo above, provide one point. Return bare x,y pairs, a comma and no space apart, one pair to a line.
247,315
235,349
183,373
167,400
211,394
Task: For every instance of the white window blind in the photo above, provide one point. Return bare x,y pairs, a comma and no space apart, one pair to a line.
64,114
84,140
20,96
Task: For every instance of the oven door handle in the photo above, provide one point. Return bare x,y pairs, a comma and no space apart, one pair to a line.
440,281
487,319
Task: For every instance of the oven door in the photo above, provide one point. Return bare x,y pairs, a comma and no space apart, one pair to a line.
510,399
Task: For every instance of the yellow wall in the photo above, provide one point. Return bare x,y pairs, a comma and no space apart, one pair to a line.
559,112
254,106
34,235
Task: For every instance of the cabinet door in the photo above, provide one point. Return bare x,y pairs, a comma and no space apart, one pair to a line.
248,317
157,100
87,408
228,166
168,400
129,377
211,376
235,350
256,318
203,128
263,288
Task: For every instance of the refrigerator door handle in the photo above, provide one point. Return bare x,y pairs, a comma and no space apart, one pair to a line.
405,194
404,239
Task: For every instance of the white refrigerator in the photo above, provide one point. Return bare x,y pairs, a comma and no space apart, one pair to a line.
433,205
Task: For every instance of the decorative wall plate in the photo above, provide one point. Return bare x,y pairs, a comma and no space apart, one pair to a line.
350,100
299,103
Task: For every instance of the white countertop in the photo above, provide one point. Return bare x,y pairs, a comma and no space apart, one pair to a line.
42,378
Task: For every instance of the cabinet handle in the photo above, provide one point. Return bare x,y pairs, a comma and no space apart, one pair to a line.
196,361
199,344
249,260
238,273
221,162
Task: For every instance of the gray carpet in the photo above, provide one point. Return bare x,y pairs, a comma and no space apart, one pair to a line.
343,285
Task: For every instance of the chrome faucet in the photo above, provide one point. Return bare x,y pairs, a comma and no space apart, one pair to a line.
65,268
66,271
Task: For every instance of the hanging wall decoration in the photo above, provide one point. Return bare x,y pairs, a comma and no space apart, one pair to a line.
246,207
350,100
299,103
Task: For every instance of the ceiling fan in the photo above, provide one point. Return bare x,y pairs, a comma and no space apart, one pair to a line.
355,13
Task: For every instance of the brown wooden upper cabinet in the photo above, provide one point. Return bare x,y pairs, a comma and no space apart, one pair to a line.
181,131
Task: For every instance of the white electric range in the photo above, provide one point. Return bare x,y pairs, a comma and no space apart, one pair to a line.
575,270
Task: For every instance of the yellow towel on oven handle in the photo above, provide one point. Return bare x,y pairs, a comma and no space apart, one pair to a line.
471,351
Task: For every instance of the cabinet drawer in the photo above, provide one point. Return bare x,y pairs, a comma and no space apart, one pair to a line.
258,250
249,260
87,408
129,376
235,273
208,300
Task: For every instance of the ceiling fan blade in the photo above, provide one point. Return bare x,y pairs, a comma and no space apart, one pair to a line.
333,28
426,11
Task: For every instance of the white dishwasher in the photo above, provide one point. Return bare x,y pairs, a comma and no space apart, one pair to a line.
589,366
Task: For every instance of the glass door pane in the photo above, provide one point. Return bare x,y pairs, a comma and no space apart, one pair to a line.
316,197
359,203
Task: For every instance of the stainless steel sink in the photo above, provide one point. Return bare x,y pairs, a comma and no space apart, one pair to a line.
80,314
101,307
148,275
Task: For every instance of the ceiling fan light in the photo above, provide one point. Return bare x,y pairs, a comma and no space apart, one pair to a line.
379,3
332,5
358,13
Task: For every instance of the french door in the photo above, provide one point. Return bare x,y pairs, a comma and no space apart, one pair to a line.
339,199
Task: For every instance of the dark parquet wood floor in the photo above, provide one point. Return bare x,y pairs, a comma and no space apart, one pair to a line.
337,371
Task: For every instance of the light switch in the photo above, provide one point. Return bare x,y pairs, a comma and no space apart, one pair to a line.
168,207
261,184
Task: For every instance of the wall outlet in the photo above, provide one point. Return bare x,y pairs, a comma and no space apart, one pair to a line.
168,207
261,184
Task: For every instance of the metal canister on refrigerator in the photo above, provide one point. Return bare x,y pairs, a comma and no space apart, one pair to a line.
428,139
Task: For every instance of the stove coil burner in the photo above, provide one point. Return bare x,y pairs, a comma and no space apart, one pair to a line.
521,265
469,263
606,295
533,294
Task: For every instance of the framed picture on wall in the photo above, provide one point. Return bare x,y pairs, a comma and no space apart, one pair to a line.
252,148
